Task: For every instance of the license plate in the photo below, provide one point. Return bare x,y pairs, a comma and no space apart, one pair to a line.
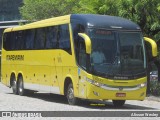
120,94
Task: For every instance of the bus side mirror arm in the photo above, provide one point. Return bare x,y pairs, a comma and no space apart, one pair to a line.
87,42
153,46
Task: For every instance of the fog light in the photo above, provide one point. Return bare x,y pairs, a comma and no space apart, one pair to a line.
96,93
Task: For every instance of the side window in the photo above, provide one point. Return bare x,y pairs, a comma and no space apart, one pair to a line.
40,38
7,41
64,38
82,54
51,37
29,39
77,28
13,41
19,40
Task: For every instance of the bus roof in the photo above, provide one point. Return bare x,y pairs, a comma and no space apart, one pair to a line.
105,21
90,20
42,23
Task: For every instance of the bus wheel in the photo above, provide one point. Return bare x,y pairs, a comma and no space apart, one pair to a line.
70,95
118,103
14,86
21,90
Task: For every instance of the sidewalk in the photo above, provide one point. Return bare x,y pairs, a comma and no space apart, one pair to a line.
153,98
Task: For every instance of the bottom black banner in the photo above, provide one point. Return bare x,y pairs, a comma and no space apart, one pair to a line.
79,113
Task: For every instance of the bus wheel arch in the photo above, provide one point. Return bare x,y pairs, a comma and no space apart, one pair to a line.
69,92
13,83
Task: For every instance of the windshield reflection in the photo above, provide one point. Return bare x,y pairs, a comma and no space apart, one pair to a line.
116,54
132,53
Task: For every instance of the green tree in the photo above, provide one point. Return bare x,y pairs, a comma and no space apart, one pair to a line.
146,13
41,9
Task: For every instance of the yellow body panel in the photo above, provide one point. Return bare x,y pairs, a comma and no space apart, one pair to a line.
88,90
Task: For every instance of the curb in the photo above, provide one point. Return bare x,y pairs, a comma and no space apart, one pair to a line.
153,98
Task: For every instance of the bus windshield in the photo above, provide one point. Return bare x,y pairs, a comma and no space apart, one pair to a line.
117,54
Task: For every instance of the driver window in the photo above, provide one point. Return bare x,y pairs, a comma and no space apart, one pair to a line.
82,54
78,28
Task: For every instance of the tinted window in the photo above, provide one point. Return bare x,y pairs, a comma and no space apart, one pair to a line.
29,39
19,40
82,54
77,28
40,38
7,41
51,37
13,41
64,38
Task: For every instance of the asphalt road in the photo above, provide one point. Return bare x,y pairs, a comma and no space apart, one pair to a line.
47,102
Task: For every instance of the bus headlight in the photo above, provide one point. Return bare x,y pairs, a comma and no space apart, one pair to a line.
142,85
94,82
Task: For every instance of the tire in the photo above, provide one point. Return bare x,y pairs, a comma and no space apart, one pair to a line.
21,90
118,103
14,86
72,100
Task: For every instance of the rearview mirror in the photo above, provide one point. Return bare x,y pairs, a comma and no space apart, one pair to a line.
87,42
151,47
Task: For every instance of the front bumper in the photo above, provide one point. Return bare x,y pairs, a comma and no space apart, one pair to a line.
98,93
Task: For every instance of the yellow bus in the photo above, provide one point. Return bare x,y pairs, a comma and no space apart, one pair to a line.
81,56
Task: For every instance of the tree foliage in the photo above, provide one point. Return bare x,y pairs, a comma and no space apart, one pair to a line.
41,9
146,13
